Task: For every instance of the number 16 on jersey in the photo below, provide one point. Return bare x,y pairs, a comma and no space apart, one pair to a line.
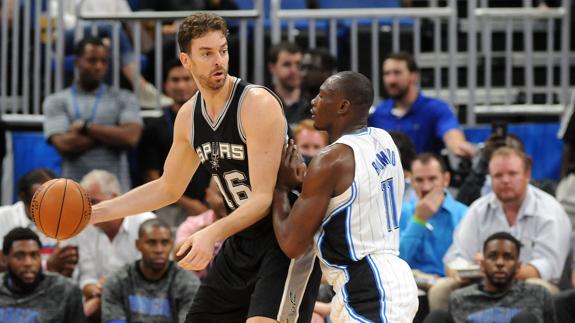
236,187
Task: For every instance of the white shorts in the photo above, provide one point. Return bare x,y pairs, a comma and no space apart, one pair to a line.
377,288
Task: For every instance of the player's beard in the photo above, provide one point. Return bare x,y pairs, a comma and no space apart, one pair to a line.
211,84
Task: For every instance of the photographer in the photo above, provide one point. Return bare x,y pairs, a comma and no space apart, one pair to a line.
472,185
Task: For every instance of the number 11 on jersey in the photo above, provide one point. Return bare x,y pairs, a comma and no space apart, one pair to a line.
390,208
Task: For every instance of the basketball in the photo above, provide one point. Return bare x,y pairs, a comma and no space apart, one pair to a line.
61,208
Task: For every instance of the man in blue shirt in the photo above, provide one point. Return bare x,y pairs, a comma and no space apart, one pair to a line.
427,225
429,122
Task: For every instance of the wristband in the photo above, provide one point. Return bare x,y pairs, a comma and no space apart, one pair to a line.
424,223
419,221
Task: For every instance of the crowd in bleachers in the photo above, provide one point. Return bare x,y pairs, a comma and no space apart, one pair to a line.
496,248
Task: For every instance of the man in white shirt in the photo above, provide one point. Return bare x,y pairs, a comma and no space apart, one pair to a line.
532,216
108,246
60,258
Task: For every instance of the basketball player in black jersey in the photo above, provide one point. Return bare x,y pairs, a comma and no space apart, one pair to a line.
237,131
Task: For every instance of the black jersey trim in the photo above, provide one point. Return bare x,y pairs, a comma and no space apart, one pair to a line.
215,125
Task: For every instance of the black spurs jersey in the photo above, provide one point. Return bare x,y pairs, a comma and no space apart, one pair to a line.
221,147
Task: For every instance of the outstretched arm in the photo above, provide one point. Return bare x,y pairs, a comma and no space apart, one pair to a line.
180,166
455,141
264,125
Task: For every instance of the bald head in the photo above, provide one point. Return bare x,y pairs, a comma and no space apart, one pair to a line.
354,87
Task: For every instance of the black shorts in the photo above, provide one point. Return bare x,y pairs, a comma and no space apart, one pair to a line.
253,277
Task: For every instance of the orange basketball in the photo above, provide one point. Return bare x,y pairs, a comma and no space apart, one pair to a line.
61,208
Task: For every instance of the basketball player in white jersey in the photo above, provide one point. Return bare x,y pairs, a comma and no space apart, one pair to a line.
349,207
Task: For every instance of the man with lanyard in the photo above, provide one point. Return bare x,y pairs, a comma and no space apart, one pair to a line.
157,140
92,124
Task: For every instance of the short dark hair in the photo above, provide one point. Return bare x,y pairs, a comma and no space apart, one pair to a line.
197,25
17,234
153,223
425,158
406,148
88,40
328,61
503,236
407,58
285,46
35,176
171,64
357,88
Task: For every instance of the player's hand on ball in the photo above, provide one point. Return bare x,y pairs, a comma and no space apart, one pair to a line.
292,167
200,250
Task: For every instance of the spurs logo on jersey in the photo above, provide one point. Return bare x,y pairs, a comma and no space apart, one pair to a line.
214,151
221,145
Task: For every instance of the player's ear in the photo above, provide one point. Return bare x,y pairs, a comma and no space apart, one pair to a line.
344,106
185,59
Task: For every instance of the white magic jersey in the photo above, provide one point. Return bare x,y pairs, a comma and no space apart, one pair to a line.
365,218
358,240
